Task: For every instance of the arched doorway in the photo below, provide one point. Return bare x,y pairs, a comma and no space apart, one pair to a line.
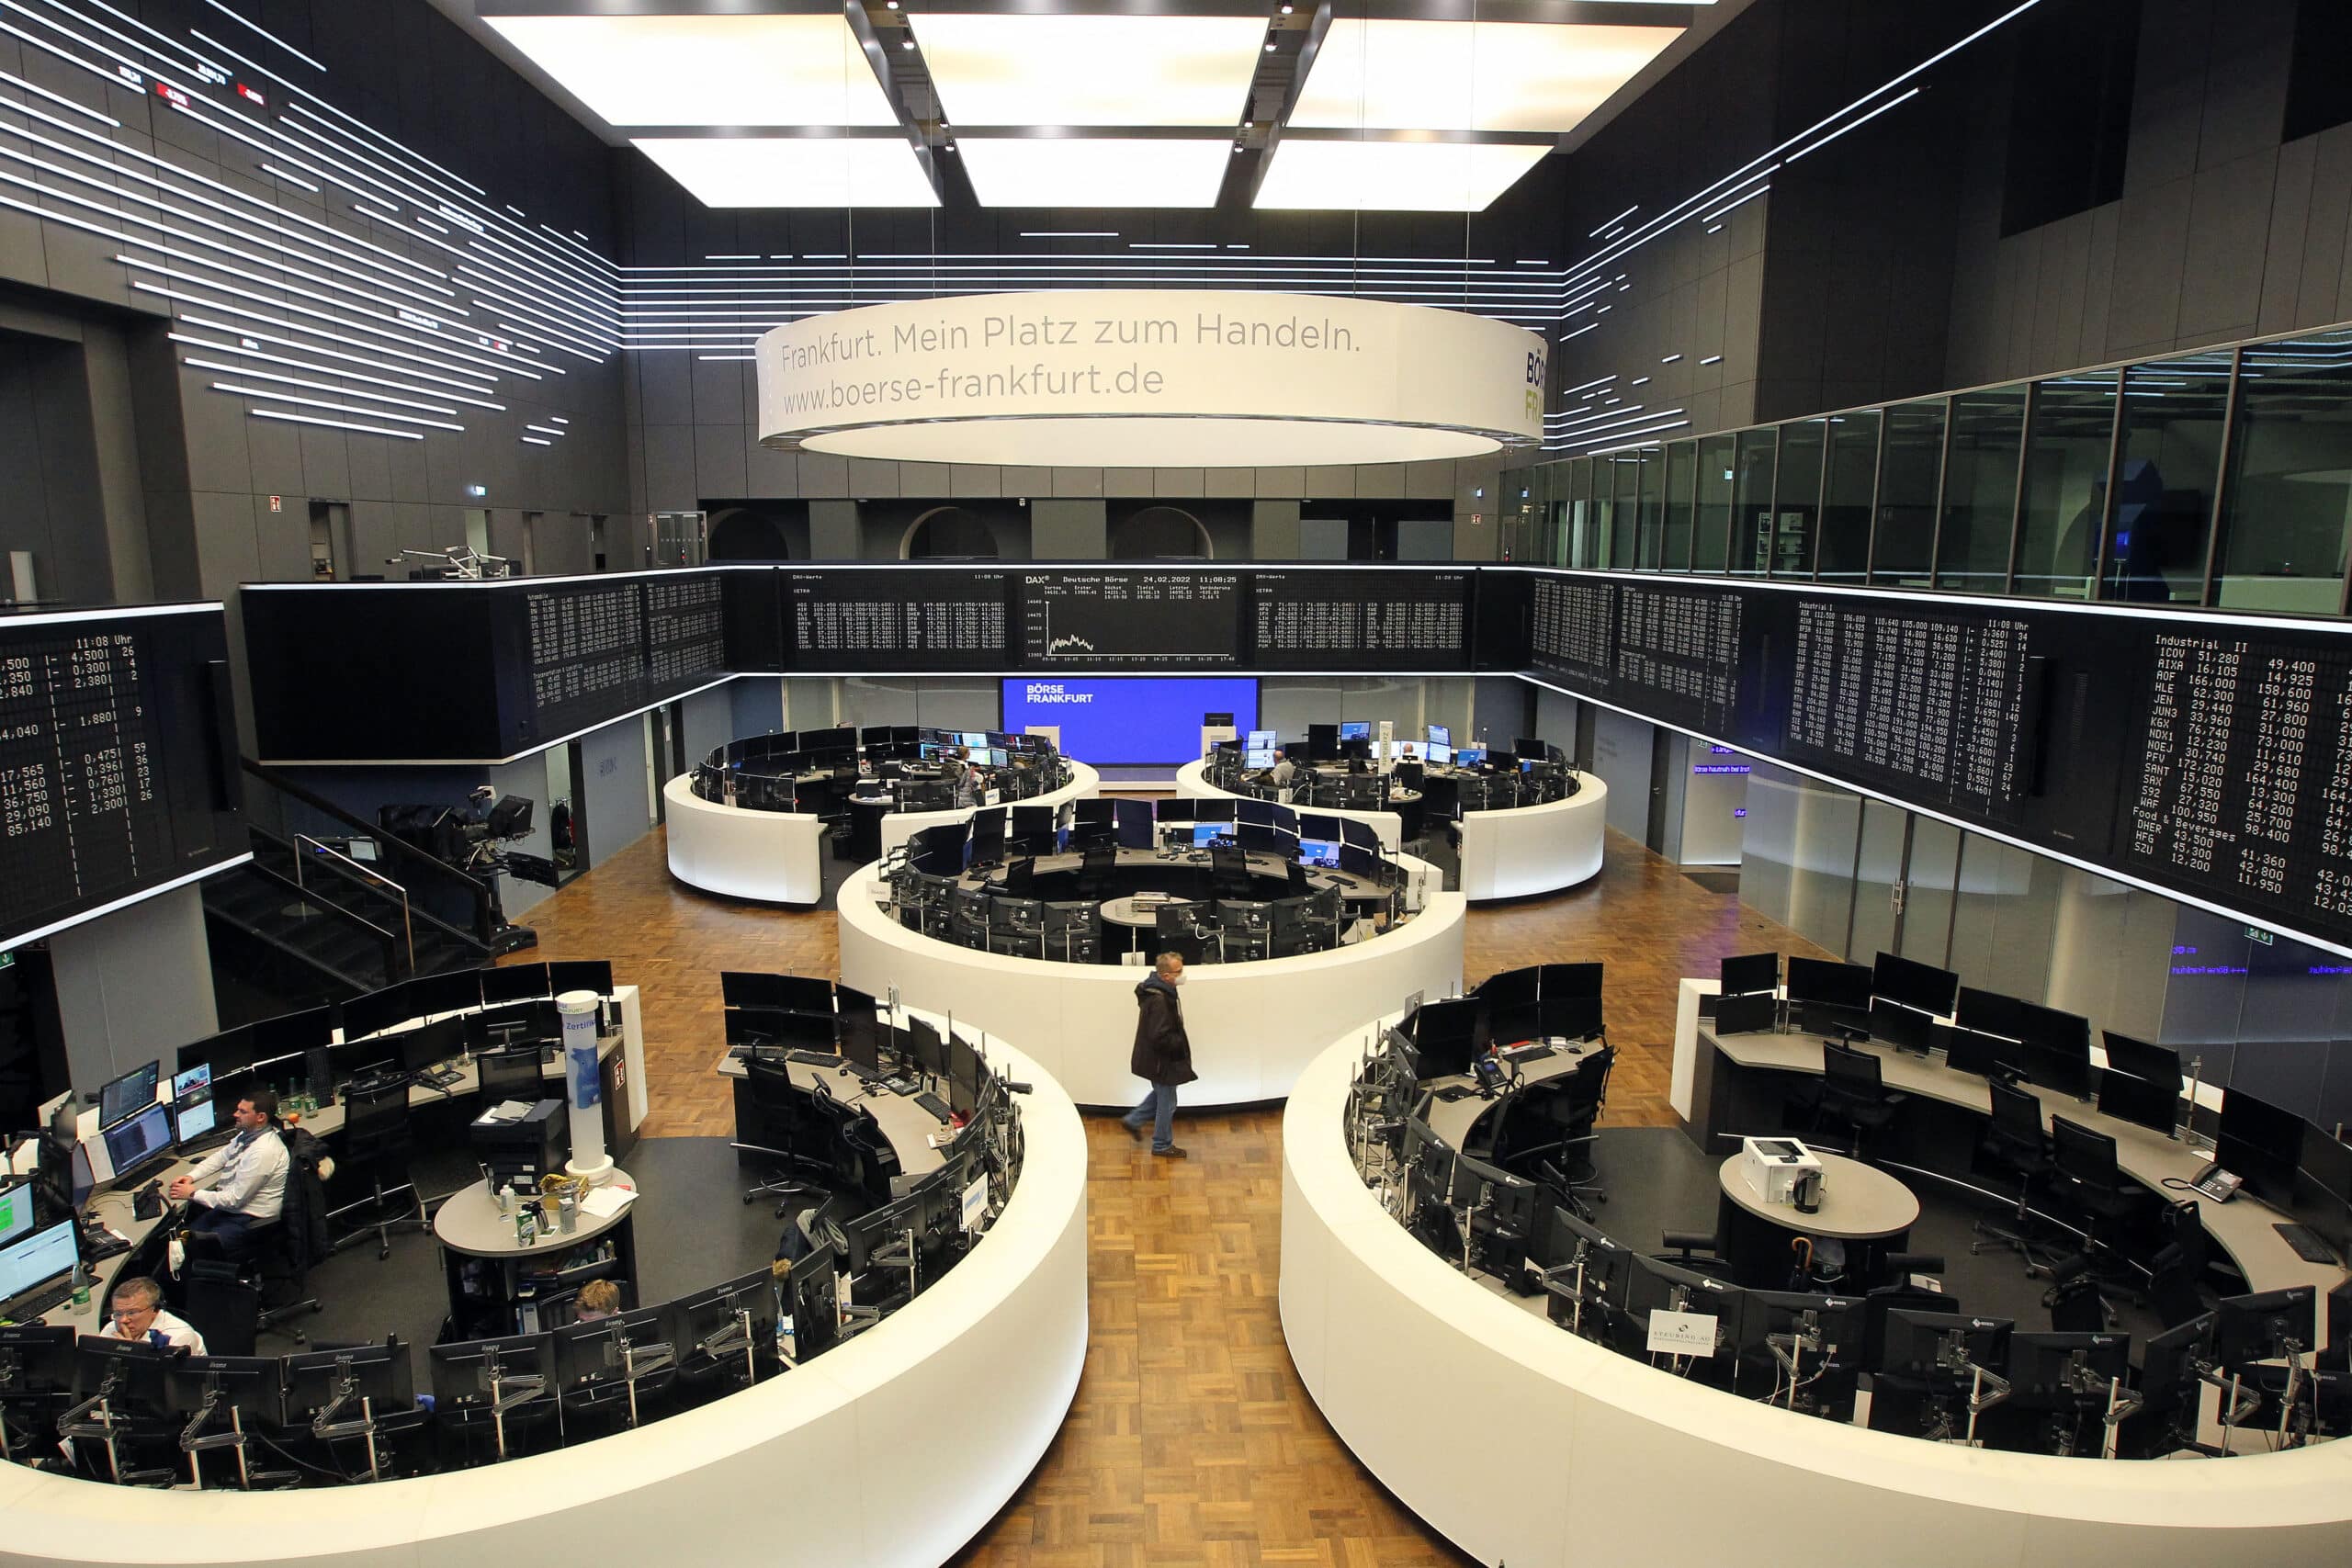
746,533
1158,532
947,533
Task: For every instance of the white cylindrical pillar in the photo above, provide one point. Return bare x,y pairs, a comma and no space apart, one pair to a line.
583,1090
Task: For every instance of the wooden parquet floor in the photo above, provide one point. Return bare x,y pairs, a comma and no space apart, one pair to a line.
1190,1441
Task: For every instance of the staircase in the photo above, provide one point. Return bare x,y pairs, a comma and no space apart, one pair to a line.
302,922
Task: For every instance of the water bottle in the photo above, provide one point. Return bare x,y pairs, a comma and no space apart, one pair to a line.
506,1199
81,1284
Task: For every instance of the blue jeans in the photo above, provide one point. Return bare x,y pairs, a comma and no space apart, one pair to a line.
231,1231
1160,1104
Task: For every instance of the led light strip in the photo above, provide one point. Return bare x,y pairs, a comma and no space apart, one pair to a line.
242,352
321,403
336,424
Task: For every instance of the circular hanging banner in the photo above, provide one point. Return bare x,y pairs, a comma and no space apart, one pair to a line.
1151,378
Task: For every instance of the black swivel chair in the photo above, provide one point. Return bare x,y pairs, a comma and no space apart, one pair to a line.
226,1311
2085,1176
376,1138
1852,1092
781,1106
1094,866
2015,1145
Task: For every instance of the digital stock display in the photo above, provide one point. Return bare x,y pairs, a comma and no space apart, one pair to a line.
1130,619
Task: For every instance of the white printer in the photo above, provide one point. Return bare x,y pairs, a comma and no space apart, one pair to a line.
1773,1165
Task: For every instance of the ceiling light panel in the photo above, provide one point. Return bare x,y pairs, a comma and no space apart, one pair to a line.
790,171
1398,75
1099,70
1393,176
1109,171
750,70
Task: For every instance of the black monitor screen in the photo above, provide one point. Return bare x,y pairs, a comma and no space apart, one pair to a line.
514,982
1745,1015
1832,984
2065,1070
291,1033
1905,1027
452,990
2261,1142
988,839
781,993
129,1094
1990,1012
1971,1051
2327,1164
2047,1029
371,1012
2158,1064
1913,984
1751,973
2138,1102
132,1143
1448,1034
230,1051
1133,819
429,1044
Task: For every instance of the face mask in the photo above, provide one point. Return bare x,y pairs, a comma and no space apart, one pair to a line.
1175,979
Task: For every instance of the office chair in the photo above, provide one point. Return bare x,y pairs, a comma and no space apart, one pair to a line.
1692,1249
1229,873
375,1135
780,1105
2085,1175
1852,1092
1095,868
2015,1145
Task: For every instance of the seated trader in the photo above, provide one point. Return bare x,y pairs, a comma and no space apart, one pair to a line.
138,1315
1285,771
243,1185
598,1299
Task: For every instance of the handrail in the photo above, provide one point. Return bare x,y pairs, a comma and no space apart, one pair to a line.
350,867
384,936
485,923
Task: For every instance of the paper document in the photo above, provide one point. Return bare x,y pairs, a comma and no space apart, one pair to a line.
605,1201
506,1110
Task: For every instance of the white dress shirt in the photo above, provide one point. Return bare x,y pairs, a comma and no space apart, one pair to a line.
176,1330
248,1177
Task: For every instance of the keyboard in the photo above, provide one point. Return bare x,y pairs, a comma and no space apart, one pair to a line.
815,1059
862,1073
2306,1243
34,1303
932,1103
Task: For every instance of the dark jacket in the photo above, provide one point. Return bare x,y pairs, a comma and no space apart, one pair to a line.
1163,1055
305,1212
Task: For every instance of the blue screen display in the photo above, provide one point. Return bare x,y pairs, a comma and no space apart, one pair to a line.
1133,718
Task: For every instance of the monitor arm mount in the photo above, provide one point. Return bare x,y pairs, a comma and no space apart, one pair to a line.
736,1338
195,1441
1572,1271
108,1428
1986,1388
506,1393
2114,1403
461,561
1790,1349
326,1427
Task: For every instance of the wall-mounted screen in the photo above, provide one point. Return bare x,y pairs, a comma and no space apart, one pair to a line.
1132,718
1084,620
1388,618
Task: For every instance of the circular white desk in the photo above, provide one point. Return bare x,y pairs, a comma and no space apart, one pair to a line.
1191,781
1418,1367
1253,1026
898,1446
1505,854
1859,1202
776,856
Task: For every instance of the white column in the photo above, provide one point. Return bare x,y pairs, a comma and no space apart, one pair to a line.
584,1091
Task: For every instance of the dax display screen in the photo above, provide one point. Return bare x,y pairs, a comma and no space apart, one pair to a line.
111,749
1402,619
1130,620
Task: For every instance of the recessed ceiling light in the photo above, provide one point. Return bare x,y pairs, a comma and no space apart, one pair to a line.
999,68
706,70
1009,171
1418,75
784,171
1393,176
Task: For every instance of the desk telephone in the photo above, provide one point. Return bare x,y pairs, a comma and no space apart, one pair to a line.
2216,1183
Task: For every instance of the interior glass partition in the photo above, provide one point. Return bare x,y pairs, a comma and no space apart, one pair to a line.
1681,501
1980,491
1575,501
1902,540
1751,527
1649,506
1796,496
1622,472
1717,458
2168,465
2069,436
1846,497
2287,507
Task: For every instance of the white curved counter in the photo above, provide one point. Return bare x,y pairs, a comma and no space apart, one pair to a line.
900,825
1191,779
777,856
1522,1443
1535,848
1505,854
896,1447
1253,1026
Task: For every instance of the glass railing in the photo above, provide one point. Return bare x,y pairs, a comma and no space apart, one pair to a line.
2221,478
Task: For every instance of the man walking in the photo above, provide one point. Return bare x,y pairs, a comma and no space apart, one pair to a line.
1163,1056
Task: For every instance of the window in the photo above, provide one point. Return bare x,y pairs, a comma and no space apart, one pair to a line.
1848,495
1796,499
1716,458
1681,501
1909,464
2288,506
1751,529
2068,438
1980,492
2159,516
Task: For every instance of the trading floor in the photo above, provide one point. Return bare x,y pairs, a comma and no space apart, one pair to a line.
1191,1440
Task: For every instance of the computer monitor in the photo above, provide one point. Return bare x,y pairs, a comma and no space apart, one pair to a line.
1930,1347
2262,1327
2135,1100
2325,1168
1914,985
2261,1142
816,1303
1987,1055
987,844
778,993
593,1352
1469,756
36,1361
17,1205
2055,1049
514,982
1262,740
874,734
230,1051
1746,1015
713,1321
1353,730
429,1044
1449,1035
462,1374
290,1034
1658,1286
128,1372
580,977
253,1386
1905,1028
1989,1012
193,1113
1132,822
1831,1326
2044,1368
35,1259
1207,834
127,1096
1437,753
1751,973
1319,853
133,1145
372,1012
2171,1365
927,1046
1830,984
1439,735
2158,1064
